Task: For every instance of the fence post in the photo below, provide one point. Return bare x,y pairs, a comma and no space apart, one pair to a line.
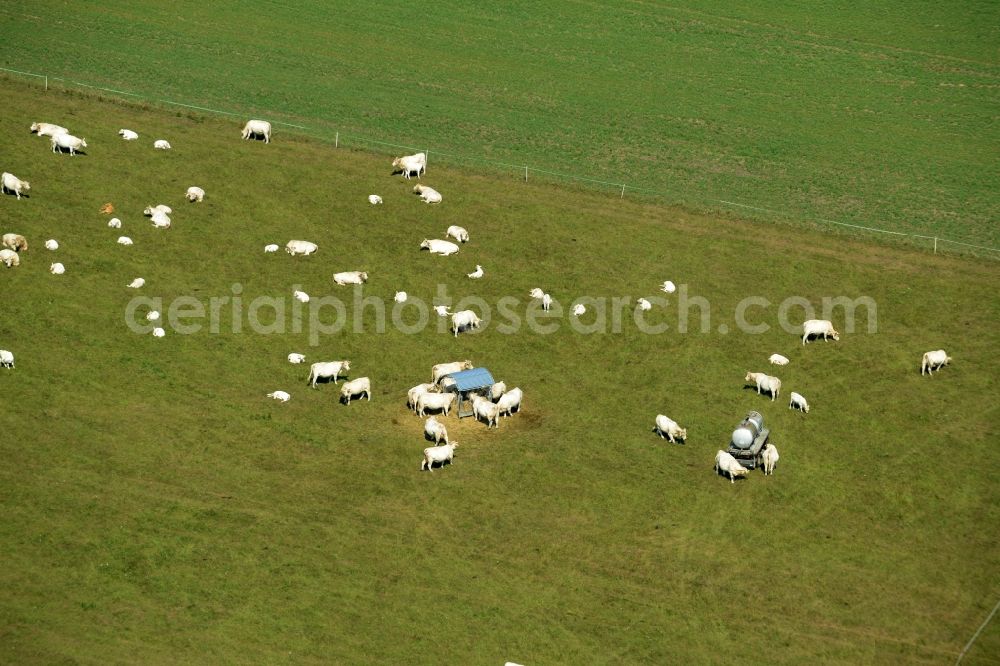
336,141
46,82
526,173
935,245
623,192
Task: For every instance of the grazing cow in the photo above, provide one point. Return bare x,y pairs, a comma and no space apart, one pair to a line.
16,242
52,244
440,370
933,360
136,283
417,391
546,302
668,429
410,163
296,247
158,332
442,310
296,358
61,142
107,208
435,401
359,386
822,327
497,390
644,305
729,465
400,297
668,287
435,430
280,396
48,129
476,274
437,246
300,296
257,128
485,410
194,194
327,369
57,269
798,402
272,247
350,277
458,233
9,258
510,402
438,454
769,456
777,359
152,315
764,382
427,194
463,320
128,134
374,199
115,223
11,183
161,144
124,240
6,359
579,309
536,293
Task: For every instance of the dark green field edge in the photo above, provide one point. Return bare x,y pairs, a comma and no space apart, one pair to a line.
324,131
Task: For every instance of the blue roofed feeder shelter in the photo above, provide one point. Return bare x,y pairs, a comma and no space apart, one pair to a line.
467,382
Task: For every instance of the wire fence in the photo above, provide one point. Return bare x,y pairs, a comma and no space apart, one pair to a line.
937,243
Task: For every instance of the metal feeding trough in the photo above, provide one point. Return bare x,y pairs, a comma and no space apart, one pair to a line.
465,383
748,439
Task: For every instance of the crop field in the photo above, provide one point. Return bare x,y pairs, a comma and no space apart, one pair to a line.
881,115
159,509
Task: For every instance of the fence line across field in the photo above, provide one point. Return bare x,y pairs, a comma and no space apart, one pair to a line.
338,137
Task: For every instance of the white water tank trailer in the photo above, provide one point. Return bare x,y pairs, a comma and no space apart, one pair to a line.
748,439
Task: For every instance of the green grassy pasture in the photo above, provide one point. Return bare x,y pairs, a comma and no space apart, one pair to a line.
882,114
158,508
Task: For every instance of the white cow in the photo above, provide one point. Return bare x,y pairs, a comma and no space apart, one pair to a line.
644,305
52,244
257,128
115,223
12,183
68,142
9,258
296,358
297,247
359,386
427,194
546,302
934,360
463,320
769,456
160,219
374,199
327,369
485,410
777,359
579,309
442,369
136,283
476,274
16,242
435,401
158,332
300,296
194,194
458,233
536,293
438,454
6,359
510,402
161,144
124,240
410,163
400,297
149,211
729,465
128,134
350,277
765,382
273,247
442,310
822,327
57,269
437,246
48,129
497,390
668,287
798,402
152,315
280,396
435,430
668,429
417,391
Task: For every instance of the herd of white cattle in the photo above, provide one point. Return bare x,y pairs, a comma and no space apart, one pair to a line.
429,397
